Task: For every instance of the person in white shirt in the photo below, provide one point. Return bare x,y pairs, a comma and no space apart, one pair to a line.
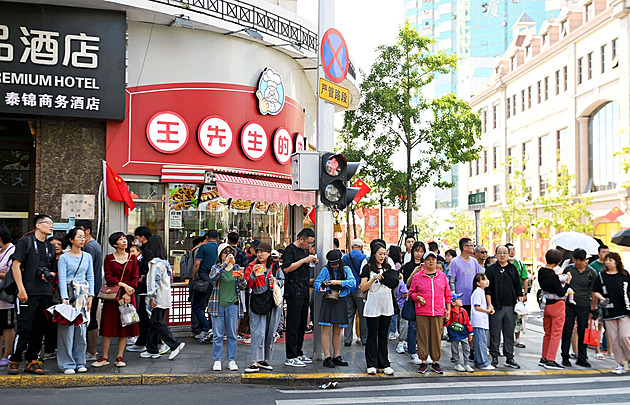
409,241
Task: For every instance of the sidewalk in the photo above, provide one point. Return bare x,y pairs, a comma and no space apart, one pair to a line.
194,365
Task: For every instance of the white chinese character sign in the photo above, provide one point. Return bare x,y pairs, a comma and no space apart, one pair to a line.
254,142
270,93
62,61
80,206
167,132
282,146
300,142
215,136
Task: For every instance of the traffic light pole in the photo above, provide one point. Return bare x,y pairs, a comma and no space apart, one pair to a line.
325,143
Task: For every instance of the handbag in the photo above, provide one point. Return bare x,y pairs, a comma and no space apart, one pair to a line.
277,295
113,293
261,304
72,297
128,315
200,285
408,311
332,296
591,334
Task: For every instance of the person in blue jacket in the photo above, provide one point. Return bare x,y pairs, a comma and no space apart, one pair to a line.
333,314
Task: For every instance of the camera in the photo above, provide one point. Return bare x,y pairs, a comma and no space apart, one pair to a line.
43,271
326,283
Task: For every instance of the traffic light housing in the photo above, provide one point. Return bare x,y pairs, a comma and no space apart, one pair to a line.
335,171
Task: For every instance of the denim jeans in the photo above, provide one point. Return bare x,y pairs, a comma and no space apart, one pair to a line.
199,303
412,335
393,325
226,322
71,346
481,346
263,328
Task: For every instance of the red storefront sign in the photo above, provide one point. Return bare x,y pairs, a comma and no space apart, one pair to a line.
390,222
159,119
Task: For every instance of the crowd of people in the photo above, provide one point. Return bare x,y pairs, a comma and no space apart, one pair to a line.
67,294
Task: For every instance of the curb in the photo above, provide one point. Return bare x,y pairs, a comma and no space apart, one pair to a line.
73,381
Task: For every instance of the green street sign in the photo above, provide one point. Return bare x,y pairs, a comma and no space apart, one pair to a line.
477,201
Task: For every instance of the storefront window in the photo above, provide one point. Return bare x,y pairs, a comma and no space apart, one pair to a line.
150,200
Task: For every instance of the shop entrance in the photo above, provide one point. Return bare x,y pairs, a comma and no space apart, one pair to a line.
17,153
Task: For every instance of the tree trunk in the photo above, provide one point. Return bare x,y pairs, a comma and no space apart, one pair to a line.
409,200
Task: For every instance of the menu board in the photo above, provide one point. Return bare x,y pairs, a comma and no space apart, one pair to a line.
183,197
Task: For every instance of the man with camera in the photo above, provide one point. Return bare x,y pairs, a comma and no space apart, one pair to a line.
34,267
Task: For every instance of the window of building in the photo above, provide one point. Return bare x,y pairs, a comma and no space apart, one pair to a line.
527,154
589,65
564,28
495,157
477,167
604,141
547,88
590,12
539,91
485,119
512,63
614,48
562,143
546,152
495,115
604,56
529,97
485,161
565,77
497,193
508,107
543,186
579,70
523,100
514,104
511,158
545,39
557,82
470,168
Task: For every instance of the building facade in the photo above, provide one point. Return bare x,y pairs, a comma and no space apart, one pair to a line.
559,96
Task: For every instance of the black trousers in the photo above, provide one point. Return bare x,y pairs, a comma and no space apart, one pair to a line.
158,329
295,323
144,319
573,312
31,327
376,344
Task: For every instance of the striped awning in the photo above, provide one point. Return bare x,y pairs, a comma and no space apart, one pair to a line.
196,174
244,188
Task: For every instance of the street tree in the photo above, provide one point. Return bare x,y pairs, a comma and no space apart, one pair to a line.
428,136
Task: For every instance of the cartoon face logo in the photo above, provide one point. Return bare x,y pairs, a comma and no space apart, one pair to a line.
270,93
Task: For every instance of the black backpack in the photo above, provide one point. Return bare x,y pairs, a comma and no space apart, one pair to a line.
187,263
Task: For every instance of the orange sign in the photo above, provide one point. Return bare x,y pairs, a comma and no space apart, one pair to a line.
371,224
391,225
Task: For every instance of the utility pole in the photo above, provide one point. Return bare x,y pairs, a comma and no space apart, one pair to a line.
325,143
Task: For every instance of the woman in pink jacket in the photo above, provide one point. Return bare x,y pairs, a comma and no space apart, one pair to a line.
432,295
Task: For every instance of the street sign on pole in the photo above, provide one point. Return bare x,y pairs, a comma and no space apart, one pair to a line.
477,201
334,93
334,54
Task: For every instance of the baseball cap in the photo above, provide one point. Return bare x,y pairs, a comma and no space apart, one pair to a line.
275,253
357,243
455,296
429,253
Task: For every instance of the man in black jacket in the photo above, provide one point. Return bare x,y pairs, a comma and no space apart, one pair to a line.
142,234
502,294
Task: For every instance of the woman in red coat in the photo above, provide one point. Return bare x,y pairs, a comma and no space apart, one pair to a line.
121,269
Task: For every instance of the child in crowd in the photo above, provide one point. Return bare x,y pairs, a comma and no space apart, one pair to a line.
401,296
460,332
480,321
563,279
135,250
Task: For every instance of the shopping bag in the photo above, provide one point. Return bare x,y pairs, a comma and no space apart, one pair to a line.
591,334
128,315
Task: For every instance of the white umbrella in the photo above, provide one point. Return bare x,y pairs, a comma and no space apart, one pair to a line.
574,240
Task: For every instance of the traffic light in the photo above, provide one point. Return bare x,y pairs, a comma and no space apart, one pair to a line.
335,171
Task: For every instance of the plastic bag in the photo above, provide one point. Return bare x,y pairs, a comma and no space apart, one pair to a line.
520,308
591,334
128,315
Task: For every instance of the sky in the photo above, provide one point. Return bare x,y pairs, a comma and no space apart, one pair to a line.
365,24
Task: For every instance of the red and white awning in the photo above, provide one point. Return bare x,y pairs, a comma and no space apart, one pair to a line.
244,188
196,174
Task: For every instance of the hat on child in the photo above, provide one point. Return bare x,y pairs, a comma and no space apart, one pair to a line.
455,296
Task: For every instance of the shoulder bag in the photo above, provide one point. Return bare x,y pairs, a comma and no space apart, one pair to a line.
72,297
262,304
113,293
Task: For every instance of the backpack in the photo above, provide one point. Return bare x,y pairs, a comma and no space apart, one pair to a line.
187,263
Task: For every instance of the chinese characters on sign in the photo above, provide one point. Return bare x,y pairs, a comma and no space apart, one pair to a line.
300,142
334,93
282,145
215,136
254,142
167,132
51,61
80,206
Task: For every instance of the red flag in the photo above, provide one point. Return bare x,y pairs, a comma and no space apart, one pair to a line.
363,190
614,214
312,214
117,189
519,229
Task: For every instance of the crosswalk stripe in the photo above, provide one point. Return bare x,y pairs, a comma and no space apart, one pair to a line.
473,384
450,397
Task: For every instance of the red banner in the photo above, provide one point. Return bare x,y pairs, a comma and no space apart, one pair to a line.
614,214
372,230
391,225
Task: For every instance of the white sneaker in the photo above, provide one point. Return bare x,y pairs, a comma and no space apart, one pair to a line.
429,360
388,371
163,349
459,367
147,355
620,369
400,349
68,371
305,359
415,359
405,346
393,336
371,370
136,348
488,367
89,357
82,370
294,362
468,369
175,352
233,366
132,340
217,365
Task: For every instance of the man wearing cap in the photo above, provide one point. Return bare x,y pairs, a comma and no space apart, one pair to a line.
502,294
354,300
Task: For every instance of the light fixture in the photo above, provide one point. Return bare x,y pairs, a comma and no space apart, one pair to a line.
181,21
249,31
295,45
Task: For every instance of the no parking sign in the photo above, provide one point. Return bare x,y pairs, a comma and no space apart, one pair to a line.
334,55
